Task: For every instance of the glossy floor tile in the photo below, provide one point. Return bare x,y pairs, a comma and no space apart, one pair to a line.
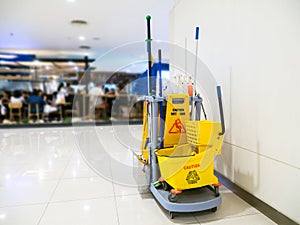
26,193
232,206
90,175
82,188
28,214
257,219
143,209
87,212
77,168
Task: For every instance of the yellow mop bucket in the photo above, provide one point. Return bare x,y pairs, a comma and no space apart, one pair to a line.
185,167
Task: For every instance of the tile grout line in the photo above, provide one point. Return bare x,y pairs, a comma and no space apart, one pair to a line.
129,195
195,217
116,204
69,178
115,196
80,177
231,217
58,182
23,205
81,199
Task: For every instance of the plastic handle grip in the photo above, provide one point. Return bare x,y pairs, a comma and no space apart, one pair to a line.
221,110
219,91
148,18
197,33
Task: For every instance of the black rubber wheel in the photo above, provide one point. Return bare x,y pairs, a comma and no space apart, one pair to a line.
217,191
213,209
164,186
172,197
172,216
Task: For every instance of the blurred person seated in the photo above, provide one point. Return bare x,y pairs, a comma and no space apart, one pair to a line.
17,97
95,98
120,89
51,104
25,96
61,94
120,100
25,103
4,100
97,104
110,97
69,89
106,90
52,110
111,92
36,98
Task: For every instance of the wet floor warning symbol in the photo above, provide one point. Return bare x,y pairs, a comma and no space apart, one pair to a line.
192,177
177,127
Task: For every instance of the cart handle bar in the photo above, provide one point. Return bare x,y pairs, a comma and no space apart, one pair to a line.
221,110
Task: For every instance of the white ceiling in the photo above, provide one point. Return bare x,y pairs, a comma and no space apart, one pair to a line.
43,27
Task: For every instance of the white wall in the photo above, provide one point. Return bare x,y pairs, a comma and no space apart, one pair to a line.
253,49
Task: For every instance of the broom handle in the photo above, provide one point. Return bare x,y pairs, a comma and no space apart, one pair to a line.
148,40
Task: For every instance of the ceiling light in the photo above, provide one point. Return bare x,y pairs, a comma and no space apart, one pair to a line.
70,0
86,207
74,173
81,38
79,22
84,47
8,56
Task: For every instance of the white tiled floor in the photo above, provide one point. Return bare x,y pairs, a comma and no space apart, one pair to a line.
46,178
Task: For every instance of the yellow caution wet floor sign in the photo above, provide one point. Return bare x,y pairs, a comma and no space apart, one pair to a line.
177,114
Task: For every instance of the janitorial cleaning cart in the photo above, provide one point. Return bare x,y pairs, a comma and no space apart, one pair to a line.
179,149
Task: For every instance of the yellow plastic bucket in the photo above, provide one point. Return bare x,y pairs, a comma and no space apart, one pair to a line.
185,167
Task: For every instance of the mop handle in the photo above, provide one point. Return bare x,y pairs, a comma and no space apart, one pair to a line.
159,69
192,90
196,59
197,33
219,93
148,40
160,103
148,18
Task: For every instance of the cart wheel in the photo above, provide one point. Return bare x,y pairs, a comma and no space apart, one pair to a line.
172,216
165,186
214,209
172,197
217,191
